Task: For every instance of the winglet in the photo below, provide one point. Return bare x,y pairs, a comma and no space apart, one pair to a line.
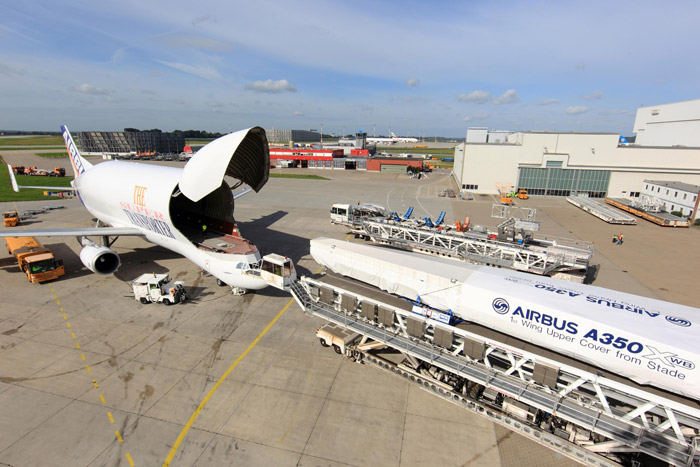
15,188
79,164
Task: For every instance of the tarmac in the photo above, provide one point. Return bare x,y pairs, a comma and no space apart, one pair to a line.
91,377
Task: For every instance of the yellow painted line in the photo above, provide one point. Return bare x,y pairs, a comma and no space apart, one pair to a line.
94,383
102,399
58,303
348,237
111,419
64,315
87,367
119,437
61,309
130,460
72,334
54,295
82,355
52,290
68,324
287,431
77,346
211,392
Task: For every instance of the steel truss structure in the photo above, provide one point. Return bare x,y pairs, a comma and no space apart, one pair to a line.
538,393
549,259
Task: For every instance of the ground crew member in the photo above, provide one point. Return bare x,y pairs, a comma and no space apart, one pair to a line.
204,230
614,238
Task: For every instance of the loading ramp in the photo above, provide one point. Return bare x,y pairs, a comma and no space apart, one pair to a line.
601,211
579,411
537,256
663,219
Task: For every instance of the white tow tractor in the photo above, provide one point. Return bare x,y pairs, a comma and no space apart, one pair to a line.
152,287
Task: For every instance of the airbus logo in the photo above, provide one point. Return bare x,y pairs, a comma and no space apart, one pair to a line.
678,321
500,306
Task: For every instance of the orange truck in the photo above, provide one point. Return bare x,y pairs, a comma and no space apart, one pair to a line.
34,259
11,219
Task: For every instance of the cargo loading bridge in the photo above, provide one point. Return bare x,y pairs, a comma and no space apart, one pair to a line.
577,410
528,371
587,411
536,256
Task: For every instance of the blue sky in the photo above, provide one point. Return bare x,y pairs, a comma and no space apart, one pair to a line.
419,68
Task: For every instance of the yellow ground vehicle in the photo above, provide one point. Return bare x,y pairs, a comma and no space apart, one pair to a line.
504,191
11,219
34,259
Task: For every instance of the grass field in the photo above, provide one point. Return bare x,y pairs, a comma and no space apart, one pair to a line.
301,176
31,148
32,141
6,193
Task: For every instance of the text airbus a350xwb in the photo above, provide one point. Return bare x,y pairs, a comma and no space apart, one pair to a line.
169,206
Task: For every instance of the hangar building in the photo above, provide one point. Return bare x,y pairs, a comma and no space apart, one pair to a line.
125,142
596,164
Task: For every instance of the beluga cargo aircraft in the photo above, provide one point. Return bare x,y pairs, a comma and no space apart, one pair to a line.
187,210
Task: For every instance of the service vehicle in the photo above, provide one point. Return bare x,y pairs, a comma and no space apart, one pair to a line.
352,214
152,287
34,259
11,218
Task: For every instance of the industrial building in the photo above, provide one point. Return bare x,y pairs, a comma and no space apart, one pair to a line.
676,124
674,196
126,142
592,164
285,136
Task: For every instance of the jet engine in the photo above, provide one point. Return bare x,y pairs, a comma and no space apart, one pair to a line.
98,259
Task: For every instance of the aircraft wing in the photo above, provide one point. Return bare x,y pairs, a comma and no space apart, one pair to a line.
78,232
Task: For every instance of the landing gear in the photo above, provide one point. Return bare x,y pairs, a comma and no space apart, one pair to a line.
220,283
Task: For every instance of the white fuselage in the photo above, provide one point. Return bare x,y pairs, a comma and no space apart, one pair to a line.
128,194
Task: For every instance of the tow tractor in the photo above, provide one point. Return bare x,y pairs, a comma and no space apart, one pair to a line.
152,287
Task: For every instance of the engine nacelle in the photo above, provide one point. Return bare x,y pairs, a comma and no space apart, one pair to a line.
99,259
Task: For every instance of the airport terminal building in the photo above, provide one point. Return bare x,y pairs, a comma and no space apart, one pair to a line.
594,164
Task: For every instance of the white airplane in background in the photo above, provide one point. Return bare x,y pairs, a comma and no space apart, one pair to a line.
169,206
394,139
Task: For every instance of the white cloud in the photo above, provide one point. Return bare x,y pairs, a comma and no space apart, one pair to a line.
298,114
576,109
476,117
508,97
595,95
478,97
207,73
412,83
92,90
547,101
271,86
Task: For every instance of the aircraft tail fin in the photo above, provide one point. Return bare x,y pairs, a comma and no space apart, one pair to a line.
79,164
